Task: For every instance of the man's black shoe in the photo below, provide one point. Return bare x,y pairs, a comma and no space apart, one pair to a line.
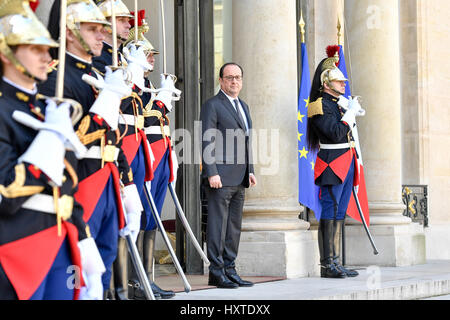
236,279
221,281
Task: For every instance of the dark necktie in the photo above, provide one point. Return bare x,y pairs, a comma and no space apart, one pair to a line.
236,104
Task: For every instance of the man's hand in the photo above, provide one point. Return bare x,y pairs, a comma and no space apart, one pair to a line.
214,182
252,180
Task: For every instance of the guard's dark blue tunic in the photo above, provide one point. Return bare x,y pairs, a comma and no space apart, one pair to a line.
29,240
334,168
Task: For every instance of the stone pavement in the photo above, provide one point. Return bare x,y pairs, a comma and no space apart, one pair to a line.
428,281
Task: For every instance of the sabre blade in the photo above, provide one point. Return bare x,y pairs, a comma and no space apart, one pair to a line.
136,22
186,225
187,286
363,220
59,90
139,268
163,28
114,36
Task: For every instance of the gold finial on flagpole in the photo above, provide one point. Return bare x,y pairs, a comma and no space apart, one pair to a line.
302,26
339,34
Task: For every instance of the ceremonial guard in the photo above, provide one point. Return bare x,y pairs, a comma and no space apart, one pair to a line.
44,239
146,239
331,118
131,121
107,192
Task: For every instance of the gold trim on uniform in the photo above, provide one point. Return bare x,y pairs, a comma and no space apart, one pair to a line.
130,175
65,206
22,96
80,65
91,137
88,231
83,128
109,153
315,108
152,113
17,188
71,171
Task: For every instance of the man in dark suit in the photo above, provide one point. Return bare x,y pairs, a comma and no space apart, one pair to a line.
227,171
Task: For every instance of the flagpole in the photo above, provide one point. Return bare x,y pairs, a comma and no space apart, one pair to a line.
136,21
302,27
339,34
355,194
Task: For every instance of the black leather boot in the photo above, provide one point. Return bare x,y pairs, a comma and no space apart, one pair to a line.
120,271
337,250
146,246
148,250
135,291
326,244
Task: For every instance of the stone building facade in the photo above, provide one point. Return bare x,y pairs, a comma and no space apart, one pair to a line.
397,52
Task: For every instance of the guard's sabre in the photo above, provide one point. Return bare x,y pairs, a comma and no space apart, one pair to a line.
77,109
140,271
115,55
186,225
134,253
138,267
358,205
136,23
187,286
161,2
59,91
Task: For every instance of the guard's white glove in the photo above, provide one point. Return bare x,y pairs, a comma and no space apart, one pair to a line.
344,103
48,147
93,268
353,108
113,89
57,119
167,91
133,207
47,153
137,64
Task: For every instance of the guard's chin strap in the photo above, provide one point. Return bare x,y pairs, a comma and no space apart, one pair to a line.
121,39
83,43
19,66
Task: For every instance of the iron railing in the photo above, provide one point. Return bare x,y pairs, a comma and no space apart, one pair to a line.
415,197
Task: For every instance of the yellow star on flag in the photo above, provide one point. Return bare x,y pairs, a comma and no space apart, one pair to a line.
307,102
312,165
300,137
300,117
303,153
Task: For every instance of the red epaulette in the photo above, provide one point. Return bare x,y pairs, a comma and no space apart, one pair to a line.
35,171
99,120
160,104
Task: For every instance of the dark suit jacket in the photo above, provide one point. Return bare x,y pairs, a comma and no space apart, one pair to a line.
226,149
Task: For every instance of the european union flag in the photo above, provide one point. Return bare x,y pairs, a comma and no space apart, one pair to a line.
343,67
308,192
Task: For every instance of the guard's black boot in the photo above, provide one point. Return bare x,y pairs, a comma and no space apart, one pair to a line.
146,246
325,236
120,271
148,250
135,291
337,250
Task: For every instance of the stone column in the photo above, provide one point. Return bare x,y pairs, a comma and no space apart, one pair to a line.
274,241
374,57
